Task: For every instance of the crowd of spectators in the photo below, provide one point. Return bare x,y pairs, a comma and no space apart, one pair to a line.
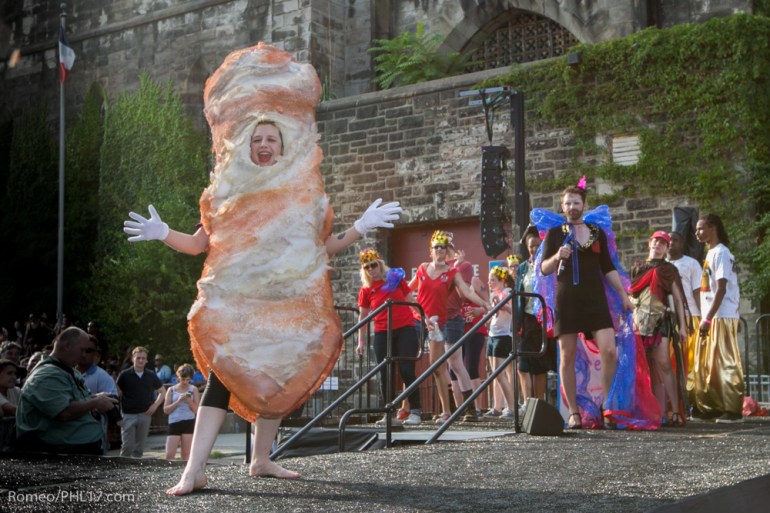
80,366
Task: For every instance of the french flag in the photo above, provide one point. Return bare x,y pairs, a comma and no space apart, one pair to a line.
66,56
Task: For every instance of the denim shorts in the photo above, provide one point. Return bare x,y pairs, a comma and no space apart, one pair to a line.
454,329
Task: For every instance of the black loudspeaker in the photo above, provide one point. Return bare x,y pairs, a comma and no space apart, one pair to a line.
542,419
683,221
492,217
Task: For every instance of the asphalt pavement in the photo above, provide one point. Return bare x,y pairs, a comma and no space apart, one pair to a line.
703,467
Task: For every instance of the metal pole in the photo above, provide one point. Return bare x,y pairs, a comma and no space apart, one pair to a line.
521,214
62,124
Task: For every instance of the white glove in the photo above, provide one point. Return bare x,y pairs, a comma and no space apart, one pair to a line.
145,229
377,216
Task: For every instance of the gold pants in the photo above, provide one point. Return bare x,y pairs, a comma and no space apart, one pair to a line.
688,351
718,385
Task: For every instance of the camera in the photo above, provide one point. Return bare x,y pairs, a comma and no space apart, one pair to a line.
113,416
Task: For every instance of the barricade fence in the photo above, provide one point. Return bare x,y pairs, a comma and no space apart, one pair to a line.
756,367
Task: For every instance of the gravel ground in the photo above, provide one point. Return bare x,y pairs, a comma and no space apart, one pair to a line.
586,471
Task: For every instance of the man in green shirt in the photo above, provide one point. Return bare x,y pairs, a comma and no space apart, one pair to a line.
57,413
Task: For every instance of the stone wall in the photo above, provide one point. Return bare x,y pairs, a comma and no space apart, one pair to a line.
185,40
421,145
181,41
590,22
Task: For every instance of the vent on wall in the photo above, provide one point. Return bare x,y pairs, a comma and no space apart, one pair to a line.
625,149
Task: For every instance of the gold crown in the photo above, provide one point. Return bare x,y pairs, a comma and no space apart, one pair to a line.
441,237
512,260
368,255
501,272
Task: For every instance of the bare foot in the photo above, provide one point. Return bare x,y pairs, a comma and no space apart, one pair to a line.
188,484
271,469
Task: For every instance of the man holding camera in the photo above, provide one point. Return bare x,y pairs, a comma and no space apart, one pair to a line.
57,412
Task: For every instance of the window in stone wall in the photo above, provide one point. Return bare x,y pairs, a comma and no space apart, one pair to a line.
517,37
625,149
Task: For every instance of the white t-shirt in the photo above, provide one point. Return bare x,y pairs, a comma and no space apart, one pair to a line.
719,265
12,395
501,322
691,273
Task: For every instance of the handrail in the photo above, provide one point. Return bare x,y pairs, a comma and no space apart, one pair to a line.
515,353
389,358
315,420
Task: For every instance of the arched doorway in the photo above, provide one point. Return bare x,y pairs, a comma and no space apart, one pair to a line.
516,37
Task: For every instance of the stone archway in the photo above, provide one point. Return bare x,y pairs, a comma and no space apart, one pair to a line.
516,37
480,19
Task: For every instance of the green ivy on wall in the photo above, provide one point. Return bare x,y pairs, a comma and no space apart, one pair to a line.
698,96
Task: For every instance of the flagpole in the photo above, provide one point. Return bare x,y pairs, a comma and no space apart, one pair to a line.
60,256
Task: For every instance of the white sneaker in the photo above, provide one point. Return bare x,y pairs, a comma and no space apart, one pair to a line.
412,420
729,418
393,421
507,414
491,414
522,411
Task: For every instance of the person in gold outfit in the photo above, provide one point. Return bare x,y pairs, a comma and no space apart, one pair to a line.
718,370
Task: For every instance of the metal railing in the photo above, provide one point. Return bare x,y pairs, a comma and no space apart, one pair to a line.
512,357
762,331
359,384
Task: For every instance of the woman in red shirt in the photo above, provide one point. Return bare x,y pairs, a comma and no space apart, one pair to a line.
434,282
380,284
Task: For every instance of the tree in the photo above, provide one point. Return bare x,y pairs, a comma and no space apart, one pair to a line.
151,154
81,203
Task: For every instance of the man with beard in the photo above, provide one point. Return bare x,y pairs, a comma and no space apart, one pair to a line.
579,254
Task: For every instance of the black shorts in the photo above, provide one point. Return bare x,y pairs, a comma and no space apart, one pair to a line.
499,347
532,341
183,427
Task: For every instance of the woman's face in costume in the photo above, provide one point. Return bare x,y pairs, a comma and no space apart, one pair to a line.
495,283
265,144
438,251
373,270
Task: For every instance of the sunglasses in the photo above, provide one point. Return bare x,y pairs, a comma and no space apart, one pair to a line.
371,265
439,246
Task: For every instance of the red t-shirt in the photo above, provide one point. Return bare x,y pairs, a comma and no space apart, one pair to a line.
467,306
433,294
456,299
372,297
